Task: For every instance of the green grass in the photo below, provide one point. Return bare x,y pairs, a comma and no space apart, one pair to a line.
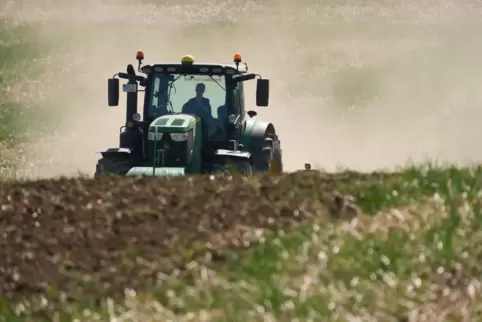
414,253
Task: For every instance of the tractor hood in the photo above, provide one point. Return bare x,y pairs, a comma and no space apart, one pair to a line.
168,156
156,172
177,123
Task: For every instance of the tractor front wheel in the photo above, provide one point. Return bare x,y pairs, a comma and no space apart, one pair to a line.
112,166
233,165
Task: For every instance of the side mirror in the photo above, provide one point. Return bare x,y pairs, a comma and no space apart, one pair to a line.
113,91
262,92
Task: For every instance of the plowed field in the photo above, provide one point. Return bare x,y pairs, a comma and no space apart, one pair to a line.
99,237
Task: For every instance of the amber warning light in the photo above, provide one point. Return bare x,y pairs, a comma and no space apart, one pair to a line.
140,55
237,58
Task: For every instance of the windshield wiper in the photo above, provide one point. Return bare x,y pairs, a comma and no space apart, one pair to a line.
217,82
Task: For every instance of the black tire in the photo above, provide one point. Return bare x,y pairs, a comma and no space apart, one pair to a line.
230,165
111,166
278,156
271,158
244,167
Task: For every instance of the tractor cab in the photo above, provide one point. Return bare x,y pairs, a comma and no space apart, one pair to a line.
213,92
185,91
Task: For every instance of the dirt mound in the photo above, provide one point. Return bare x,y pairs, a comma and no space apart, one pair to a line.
98,237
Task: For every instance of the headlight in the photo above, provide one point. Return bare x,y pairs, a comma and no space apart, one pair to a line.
153,136
178,137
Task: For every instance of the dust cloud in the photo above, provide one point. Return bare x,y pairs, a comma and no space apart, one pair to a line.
364,85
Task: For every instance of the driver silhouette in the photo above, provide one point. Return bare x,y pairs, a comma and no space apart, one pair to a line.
199,105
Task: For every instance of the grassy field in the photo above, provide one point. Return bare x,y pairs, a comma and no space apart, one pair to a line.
403,247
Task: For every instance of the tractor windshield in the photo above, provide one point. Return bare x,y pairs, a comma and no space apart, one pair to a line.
203,95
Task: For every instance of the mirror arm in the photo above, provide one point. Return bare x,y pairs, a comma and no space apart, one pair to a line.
246,77
138,78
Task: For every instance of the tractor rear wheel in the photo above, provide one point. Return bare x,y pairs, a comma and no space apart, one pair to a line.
112,166
271,159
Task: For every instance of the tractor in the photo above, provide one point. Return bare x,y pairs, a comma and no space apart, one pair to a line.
194,121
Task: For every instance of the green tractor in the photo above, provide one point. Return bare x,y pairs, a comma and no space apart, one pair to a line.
194,121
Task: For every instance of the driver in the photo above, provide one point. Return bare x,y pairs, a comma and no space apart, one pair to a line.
199,105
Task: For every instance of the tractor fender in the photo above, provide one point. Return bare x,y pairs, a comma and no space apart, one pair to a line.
234,154
115,152
255,133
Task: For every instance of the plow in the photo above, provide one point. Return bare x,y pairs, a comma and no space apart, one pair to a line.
194,120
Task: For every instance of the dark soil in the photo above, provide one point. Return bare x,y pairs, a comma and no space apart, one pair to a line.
100,236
